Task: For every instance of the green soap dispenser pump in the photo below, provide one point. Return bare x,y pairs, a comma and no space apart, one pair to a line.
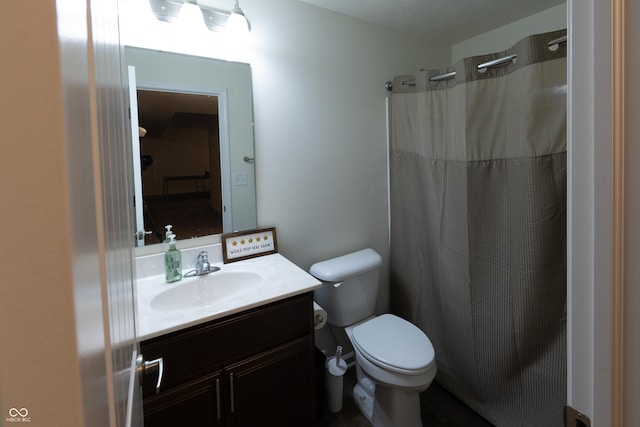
172,259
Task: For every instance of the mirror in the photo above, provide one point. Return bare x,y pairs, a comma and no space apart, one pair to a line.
196,156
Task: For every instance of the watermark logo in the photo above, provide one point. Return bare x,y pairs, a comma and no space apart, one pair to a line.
18,415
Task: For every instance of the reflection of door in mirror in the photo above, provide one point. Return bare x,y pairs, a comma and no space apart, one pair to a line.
180,164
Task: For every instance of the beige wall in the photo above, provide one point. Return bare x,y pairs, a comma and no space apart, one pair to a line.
39,367
632,224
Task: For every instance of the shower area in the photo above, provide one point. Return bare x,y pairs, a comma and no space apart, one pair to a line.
478,225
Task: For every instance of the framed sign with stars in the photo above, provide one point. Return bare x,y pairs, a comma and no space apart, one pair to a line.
248,244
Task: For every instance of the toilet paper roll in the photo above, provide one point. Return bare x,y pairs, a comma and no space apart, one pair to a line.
319,316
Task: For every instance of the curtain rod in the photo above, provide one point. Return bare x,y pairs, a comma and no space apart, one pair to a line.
500,61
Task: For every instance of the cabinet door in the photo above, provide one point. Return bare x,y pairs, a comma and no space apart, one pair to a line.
195,404
274,388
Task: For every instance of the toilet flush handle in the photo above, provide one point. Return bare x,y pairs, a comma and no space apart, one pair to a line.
337,284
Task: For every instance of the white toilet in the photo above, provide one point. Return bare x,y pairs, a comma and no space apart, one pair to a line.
395,360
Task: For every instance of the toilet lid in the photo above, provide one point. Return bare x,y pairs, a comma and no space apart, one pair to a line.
392,341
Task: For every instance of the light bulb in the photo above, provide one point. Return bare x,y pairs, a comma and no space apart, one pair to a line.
238,23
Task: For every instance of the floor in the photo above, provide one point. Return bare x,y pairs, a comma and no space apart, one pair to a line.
439,409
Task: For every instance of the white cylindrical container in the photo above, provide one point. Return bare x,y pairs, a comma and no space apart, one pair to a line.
319,316
336,367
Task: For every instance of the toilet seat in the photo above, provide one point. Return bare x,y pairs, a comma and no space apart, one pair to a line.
392,343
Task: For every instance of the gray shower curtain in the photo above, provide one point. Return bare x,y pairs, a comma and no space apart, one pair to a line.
478,227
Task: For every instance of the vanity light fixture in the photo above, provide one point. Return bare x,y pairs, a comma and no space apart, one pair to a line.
216,20
238,23
166,10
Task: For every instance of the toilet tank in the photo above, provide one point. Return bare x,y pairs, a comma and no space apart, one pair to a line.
350,286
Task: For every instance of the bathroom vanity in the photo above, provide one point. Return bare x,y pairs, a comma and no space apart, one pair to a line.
249,369
240,360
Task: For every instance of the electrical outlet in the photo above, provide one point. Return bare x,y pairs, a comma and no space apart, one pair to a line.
240,178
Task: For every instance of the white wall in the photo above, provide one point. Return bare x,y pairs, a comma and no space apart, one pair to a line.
588,208
320,124
506,36
321,127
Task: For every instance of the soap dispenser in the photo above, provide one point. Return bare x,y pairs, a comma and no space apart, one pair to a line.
172,260
168,233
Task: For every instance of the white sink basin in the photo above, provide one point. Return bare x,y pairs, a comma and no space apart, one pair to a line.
239,286
202,291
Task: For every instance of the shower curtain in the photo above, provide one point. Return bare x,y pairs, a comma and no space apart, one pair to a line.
478,227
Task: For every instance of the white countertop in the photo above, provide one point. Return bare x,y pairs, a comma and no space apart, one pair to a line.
282,279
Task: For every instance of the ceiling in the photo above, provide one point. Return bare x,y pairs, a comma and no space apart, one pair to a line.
448,21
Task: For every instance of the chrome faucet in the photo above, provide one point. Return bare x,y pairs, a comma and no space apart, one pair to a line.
202,266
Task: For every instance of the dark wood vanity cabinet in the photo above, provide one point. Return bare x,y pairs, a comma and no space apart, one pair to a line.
194,404
251,369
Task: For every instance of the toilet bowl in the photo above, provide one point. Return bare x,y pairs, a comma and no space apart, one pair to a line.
395,360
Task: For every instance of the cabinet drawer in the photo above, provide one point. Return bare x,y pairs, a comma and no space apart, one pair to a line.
194,351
